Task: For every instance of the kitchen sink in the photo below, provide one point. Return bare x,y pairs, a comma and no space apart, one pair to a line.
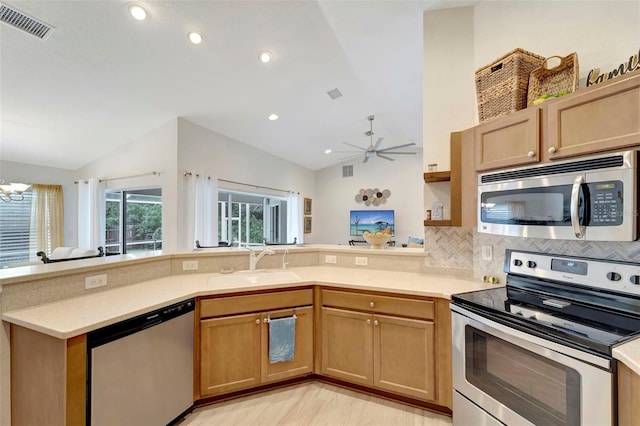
254,277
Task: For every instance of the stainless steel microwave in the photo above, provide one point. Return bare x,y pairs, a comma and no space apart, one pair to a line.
588,198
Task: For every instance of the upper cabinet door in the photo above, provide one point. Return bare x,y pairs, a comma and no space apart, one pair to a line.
593,120
509,141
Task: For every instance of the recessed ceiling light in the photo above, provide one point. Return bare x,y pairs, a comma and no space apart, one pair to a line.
195,37
273,117
327,151
265,56
138,12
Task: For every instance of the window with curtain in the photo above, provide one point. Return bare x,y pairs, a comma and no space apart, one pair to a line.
133,221
251,219
31,225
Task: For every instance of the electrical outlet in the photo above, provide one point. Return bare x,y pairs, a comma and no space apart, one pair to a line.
487,253
95,281
328,258
190,265
362,261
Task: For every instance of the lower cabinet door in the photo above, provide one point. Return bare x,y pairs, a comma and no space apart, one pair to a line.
229,353
302,362
403,356
347,345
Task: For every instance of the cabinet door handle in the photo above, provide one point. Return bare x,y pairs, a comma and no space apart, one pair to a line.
531,154
258,321
376,322
552,150
373,305
369,321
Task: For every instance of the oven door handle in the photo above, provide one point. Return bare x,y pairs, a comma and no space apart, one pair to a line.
575,206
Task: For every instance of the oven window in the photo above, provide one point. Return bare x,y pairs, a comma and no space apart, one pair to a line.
539,389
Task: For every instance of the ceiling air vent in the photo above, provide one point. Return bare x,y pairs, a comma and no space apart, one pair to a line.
334,94
347,171
26,23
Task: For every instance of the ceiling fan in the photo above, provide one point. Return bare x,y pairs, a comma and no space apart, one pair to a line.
373,150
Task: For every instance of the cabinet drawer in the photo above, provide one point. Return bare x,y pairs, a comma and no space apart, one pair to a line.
255,302
378,304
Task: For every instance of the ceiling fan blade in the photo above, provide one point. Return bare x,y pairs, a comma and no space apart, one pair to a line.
398,146
365,159
385,157
346,152
389,153
355,146
378,142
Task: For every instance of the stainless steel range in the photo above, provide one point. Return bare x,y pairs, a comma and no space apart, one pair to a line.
538,351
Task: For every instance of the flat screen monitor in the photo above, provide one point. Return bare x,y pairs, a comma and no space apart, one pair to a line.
370,220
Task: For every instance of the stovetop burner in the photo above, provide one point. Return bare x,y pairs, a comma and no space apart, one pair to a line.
589,304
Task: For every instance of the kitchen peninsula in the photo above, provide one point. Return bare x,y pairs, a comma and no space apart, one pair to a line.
51,301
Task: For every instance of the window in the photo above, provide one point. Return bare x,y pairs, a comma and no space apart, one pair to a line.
32,224
141,213
14,231
251,219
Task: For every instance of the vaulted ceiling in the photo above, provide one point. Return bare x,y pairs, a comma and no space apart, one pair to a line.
104,79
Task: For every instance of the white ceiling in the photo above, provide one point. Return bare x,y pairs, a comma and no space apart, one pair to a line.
103,79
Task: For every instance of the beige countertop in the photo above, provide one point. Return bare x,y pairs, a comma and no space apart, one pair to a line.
78,315
629,354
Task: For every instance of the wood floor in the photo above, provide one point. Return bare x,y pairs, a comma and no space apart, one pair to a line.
312,403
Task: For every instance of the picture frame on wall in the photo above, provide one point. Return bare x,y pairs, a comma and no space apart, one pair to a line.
307,225
307,206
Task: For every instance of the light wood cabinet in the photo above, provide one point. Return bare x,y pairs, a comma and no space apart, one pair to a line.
595,119
628,396
48,378
380,341
592,120
462,178
234,349
230,353
510,141
347,345
403,356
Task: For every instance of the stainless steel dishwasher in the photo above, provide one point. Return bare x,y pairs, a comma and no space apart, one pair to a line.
140,371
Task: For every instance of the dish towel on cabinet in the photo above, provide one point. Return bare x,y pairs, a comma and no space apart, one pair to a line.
282,339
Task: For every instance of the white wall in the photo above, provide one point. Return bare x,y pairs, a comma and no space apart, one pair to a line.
156,151
448,90
603,33
208,153
335,196
29,173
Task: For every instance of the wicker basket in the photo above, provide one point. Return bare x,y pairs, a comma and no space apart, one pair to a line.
561,78
501,87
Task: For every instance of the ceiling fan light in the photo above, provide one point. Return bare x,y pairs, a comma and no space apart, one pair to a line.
327,151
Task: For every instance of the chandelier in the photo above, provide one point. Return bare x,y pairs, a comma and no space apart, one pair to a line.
12,191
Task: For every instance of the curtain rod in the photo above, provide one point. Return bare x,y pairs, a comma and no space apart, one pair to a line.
254,186
153,173
122,177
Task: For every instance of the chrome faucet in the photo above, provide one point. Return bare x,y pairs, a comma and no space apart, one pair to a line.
253,259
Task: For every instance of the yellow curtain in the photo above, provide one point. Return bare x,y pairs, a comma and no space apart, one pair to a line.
47,218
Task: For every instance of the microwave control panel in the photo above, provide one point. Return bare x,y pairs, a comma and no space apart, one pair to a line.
606,203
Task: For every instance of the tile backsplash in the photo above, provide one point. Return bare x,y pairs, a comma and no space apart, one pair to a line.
461,248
